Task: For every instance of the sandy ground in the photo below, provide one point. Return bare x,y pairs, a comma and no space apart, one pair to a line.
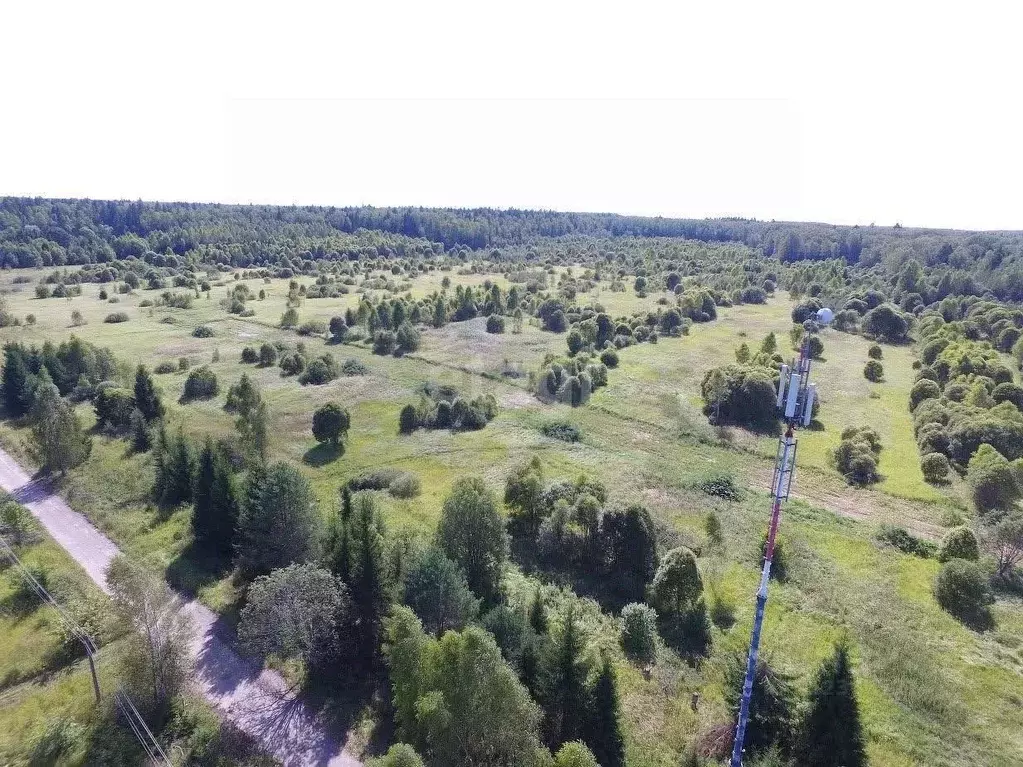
258,702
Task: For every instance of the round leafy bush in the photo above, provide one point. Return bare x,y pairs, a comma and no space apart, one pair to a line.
407,485
165,367
959,543
1009,392
201,384
962,589
116,317
922,390
639,631
935,467
495,323
873,371
203,331
353,367
875,352
609,357
250,355
857,454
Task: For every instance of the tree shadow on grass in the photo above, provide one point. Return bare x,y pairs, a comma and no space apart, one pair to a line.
193,568
323,454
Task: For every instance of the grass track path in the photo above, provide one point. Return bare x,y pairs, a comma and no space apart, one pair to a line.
258,702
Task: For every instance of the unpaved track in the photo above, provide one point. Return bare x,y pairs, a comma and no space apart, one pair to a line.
256,701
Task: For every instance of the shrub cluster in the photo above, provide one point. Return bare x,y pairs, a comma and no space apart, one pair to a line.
570,381
446,410
857,455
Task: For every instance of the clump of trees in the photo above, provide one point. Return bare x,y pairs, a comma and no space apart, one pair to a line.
574,529
570,381
857,455
442,408
740,394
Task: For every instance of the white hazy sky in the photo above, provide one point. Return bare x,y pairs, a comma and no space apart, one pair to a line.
851,113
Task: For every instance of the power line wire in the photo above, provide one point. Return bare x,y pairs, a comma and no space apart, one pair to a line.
131,714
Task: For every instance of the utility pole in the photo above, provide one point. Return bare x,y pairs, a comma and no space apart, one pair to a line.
796,396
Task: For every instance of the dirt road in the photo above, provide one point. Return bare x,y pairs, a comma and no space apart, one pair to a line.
256,701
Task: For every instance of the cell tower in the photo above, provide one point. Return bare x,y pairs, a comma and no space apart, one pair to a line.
796,396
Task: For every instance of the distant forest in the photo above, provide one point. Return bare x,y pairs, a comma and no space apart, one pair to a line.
42,232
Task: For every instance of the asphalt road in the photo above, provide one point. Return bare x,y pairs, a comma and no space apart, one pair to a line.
256,701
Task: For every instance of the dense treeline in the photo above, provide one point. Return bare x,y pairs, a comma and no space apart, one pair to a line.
41,232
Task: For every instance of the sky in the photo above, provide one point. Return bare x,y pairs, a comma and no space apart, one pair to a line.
851,113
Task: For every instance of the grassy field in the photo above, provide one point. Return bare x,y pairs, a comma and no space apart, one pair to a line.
933,693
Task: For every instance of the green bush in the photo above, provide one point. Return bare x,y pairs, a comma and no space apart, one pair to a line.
922,390
312,328
639,632
609,357
165,367
874,352
857,455
873,371
935,467
383,342
740,394
904,541
495,323
562,430
116,317
201,384
353,367
203,331
962,589
250,355
959,543
721,485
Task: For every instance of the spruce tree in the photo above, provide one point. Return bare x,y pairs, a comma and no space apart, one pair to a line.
147,397
565,695
831,734
176,484
215,502
367,584
278,524
538,615
141,439
604,731
15,376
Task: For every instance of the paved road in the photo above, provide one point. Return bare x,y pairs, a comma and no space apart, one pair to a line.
256,701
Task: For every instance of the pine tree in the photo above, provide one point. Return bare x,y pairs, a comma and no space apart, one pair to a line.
147,397
215,509
831,734
565,692
604,731
15,376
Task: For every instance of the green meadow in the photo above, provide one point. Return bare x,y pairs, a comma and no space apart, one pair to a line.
932,692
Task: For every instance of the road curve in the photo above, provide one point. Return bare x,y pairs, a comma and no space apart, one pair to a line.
258,702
